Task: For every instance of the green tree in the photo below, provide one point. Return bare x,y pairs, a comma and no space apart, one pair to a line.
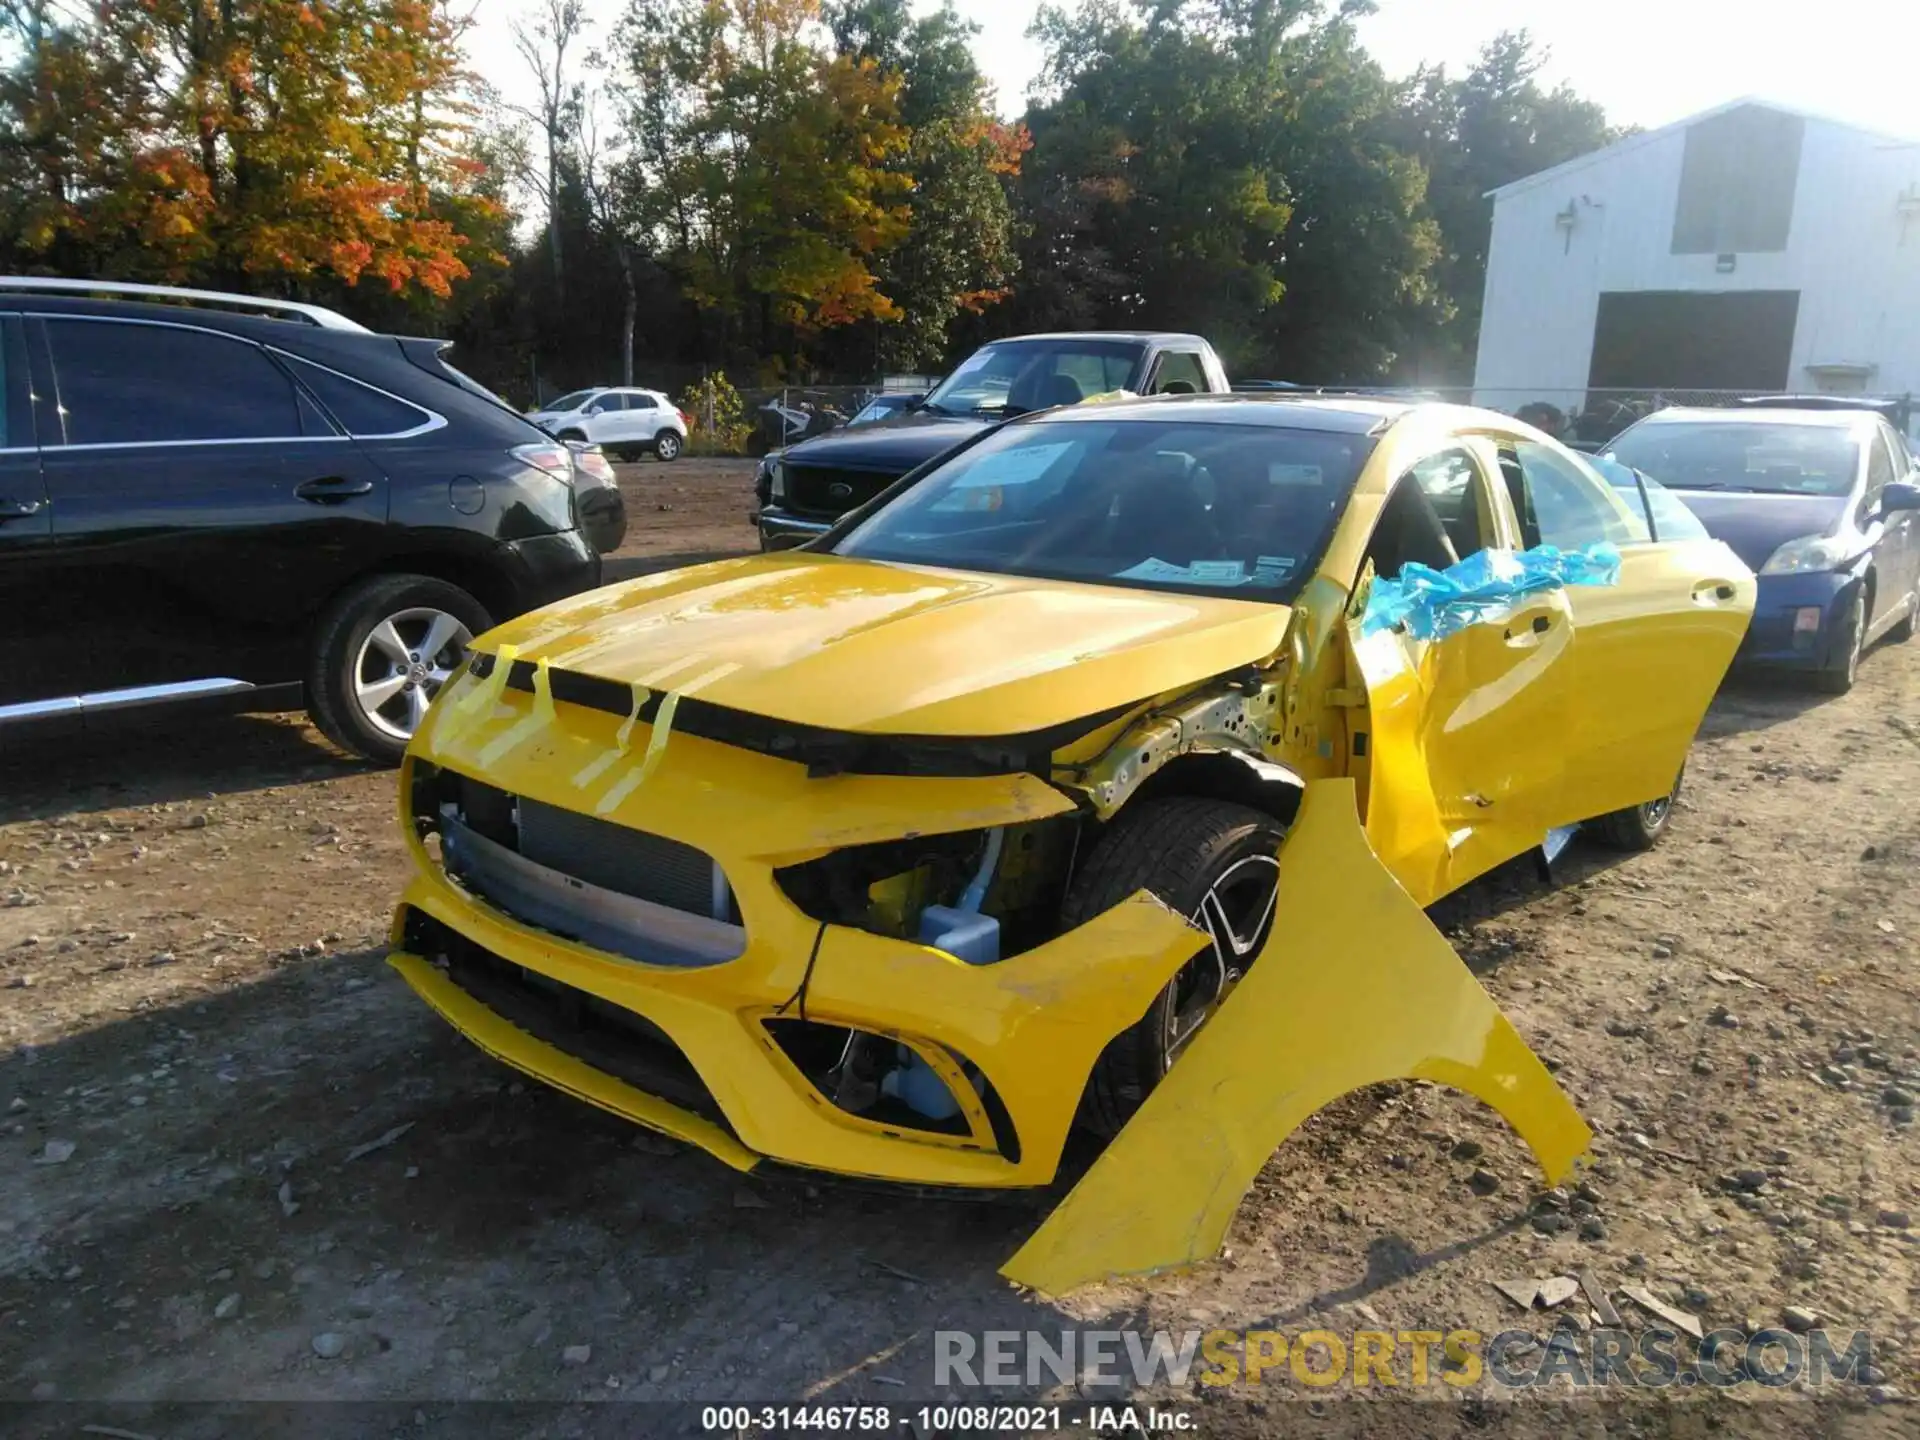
1492,126
958,254
760,163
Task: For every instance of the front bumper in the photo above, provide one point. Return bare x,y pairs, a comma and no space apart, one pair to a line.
1775,639
782,530
1032,1024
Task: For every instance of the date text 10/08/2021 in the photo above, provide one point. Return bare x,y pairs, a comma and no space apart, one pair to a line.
943,1419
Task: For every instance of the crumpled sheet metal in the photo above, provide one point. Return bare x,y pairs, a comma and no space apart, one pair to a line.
1433,604
1354,987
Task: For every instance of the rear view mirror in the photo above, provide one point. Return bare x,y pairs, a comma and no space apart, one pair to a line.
1900,495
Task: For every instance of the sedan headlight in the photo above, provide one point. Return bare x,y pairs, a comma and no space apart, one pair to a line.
1808,555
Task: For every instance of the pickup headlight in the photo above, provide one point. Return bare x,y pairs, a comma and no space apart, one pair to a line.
776,480
1808,555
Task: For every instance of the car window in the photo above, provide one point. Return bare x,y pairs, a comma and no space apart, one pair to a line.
131,383
1179,372
359,408
1204,508
1014,376
1665,513
1562,503
640,400
572,401
1452,483
1760,457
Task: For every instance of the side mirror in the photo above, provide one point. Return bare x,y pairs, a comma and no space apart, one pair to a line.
1900,495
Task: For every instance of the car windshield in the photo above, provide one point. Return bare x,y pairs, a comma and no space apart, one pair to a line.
1666,514
570,402
879,409
1764,459
1015,376
1161,504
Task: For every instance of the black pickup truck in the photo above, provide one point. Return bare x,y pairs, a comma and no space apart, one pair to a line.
803,489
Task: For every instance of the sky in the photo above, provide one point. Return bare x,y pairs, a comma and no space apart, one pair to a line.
1648,62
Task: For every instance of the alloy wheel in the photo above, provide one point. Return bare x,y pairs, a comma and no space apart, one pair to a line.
403,663
1237,914
667,445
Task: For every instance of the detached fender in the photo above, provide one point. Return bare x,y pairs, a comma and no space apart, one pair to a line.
1354,987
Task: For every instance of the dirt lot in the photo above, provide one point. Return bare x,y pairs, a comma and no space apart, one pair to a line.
198,1038
689,509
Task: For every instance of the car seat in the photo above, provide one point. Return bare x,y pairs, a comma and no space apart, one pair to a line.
1045,393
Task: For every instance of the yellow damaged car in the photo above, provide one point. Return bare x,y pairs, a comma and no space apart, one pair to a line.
1087,777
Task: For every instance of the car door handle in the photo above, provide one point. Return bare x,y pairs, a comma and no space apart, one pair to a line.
331,489
12,509
1710,592
1539,626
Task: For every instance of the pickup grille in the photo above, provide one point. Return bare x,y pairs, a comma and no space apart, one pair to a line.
829,491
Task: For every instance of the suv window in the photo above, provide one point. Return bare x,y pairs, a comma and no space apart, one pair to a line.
1559,503
639,400
1179,372
133,383
359,408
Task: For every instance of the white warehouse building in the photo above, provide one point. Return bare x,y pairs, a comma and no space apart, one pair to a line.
1750,248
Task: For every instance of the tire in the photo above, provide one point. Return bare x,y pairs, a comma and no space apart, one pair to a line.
1639,827
1839,679
668,444
352,662
1181,849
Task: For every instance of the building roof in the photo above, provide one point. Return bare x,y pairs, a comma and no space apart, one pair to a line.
1647,137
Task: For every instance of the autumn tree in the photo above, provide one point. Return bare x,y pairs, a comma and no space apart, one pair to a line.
958,254
759,161
245,143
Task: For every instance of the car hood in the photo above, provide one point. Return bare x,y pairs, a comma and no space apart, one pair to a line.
857,645
891,446
1754,526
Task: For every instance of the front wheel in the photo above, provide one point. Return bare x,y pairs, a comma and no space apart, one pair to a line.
382,651
1216,863
667,445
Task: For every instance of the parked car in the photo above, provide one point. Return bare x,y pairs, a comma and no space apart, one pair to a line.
253,504
836,856
627,423
802,491
1820,502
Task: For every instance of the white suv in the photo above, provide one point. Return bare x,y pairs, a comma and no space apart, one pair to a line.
625,422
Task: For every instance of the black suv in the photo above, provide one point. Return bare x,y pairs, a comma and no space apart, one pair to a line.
258,505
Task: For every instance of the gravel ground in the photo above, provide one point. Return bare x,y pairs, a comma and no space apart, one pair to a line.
238,1161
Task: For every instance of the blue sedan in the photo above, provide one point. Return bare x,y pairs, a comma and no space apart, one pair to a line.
1820,503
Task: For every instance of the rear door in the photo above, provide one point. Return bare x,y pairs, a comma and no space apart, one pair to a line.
1651,650
642,415
204,508
29,654
1456,754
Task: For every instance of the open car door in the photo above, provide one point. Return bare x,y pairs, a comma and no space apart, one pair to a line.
1460,749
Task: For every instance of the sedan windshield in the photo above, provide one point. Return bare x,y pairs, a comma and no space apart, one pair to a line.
1016,376
1164,504
1762,459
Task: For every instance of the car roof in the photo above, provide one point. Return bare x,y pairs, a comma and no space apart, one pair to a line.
1136,337
1342,415
1758,415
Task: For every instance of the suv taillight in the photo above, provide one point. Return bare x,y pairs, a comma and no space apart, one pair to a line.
552,457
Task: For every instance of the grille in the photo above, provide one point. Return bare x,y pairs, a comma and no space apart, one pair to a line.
593,851
613,857
824,490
